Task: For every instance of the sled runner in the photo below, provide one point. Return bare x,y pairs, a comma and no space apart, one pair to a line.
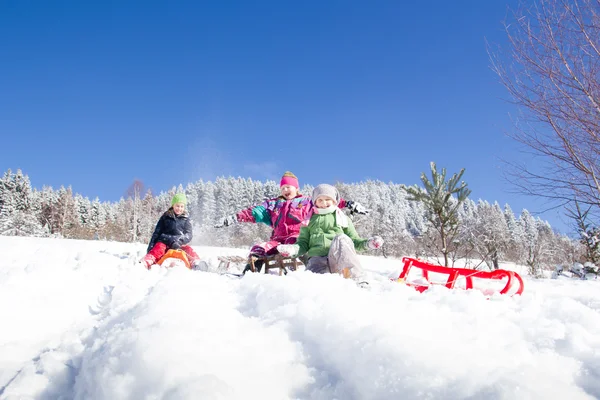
461,278
284,264
226,261
173,258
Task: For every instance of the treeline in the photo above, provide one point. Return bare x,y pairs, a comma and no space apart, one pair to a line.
487,232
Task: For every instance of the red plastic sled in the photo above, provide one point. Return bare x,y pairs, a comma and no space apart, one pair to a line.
173,258
514,282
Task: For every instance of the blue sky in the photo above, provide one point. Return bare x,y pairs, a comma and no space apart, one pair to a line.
96,94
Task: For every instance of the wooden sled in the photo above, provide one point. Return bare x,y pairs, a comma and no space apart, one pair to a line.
172,258
284,264
226,261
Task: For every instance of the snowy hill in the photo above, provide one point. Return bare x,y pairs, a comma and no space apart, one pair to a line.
79,320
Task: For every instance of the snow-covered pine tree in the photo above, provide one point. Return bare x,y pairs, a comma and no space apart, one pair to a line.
147,218
94,215
134,193
515,233
589,236
82,228
68,218
208,210
489,233
529,242
191,193
271,189
48,202
17,215
207,204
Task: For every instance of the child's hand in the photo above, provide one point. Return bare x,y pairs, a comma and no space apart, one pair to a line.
356,208
288,250
177,242
375,242
230,220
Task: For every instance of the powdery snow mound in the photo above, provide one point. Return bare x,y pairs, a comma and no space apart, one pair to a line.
81,320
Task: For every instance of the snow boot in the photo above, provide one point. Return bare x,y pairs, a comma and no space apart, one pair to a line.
148,261
199,265
257,266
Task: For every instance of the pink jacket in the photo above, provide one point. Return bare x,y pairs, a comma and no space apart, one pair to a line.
286,217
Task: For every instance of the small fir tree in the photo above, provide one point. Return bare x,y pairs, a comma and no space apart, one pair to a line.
441,205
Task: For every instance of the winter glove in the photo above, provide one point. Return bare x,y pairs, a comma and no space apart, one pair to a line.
166,239
356,208
374,242
288,250
176,245
232,219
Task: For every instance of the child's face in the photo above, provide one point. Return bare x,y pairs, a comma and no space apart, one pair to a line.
289,192
324,202
178,208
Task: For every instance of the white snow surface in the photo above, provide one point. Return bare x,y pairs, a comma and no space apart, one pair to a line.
81,320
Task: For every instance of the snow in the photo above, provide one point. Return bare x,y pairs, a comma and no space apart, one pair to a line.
80,320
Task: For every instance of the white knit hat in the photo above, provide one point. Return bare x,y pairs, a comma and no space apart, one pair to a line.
326,190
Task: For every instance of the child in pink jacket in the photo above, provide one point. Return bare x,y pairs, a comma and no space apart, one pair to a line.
285,214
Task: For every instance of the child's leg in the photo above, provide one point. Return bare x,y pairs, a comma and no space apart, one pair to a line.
158,251
290,240
342,256
318,265
261,250
191,254
265,248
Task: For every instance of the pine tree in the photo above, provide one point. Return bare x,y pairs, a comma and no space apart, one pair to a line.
18,214
208,216
529,242
97,218
438,199
589,236
67,214
48,201
7,203
489,233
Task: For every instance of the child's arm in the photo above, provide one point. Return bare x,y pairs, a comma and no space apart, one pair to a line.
353,207
187,232
254,214
155,235
359,243
303,240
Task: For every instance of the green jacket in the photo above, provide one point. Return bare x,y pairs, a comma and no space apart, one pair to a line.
315,239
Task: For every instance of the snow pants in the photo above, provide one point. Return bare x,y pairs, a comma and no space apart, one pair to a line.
160,249
269,248
341,255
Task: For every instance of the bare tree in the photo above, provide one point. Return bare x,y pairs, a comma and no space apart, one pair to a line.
553,76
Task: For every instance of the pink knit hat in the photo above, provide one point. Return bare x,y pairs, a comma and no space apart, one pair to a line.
289,179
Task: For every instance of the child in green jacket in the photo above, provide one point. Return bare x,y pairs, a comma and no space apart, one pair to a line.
330,240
